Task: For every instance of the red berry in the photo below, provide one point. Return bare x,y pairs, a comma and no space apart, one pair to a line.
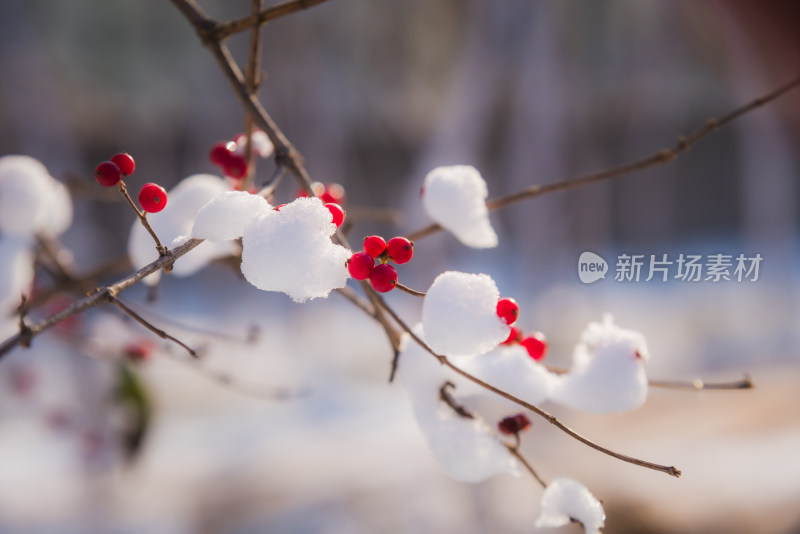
513,337
234,166
139,350
125,163
400,249
360,265
333,193
152,198
219,153
383,278
278,207
508,310
536,345
107,174
514,424
374,245
336,212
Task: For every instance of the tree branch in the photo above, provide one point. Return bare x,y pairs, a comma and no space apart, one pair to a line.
26,335
226,29
658,158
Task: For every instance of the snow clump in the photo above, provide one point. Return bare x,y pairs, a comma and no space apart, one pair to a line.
455,197
31,201
465,448
291,251
459,314
566,499
607,374
227,215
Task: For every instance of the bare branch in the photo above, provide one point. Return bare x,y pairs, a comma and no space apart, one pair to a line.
658,158
30,331
144,322
226,29
514,450
696,384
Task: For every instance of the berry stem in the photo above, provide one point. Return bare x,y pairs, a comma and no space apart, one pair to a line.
406,289
514,450
144,322
162,250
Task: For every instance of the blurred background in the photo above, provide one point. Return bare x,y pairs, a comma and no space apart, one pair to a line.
374,95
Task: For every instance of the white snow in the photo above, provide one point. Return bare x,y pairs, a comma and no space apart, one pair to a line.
455,197
291,251
465,448
16,272
607,373
566,499
176,219
31,201
459,314
226,215
512,370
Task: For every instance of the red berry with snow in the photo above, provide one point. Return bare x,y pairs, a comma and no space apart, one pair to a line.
125,163
152,198
336,212
107,174
400,249
508,310
513,337
536,345
374,245
360,265
383,278
514,424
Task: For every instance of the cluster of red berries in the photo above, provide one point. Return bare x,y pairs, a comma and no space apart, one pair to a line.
152,197
514,424
382,277
229,157
535,344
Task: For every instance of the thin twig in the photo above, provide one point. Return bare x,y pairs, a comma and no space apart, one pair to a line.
162,250
514,450
658,158
696,384
226,29
406,289
147,324
25,336
553,420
